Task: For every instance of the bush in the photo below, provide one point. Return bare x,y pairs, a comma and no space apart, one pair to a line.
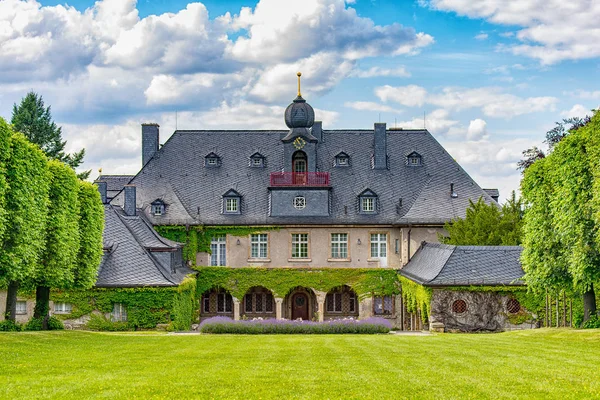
592,323
36,324
282,326
9,326
100,323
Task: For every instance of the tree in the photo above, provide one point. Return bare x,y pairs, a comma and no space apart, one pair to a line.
26,204
487,225
5,134
59,257
35,122
91,225
562,218
553,137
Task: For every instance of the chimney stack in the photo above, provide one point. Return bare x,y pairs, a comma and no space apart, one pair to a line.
380,146
317,130
149,141
102,188
129,205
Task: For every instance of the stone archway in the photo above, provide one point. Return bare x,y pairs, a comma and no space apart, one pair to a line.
216,302
341,302
258,302
301,303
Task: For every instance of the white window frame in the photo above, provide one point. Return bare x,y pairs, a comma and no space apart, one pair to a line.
119,313
343,160
232,205
259,245
378,245
212,161
21,307
63,308
414,160
367,204
300,245
339,245
257,162
218,248
157,209
299,202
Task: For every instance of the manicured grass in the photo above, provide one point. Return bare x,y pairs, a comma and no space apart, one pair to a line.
531,364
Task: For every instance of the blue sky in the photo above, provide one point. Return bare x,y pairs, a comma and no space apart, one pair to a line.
491,77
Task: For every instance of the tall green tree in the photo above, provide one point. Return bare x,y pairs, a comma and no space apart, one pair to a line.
486,225
562,243
26,204
5,134
56,268
91,226
34,120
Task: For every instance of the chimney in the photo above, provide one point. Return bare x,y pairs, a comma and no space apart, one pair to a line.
149,141
129,204
380,145
102,188
317,130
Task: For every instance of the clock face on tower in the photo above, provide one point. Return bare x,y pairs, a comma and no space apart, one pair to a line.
299,143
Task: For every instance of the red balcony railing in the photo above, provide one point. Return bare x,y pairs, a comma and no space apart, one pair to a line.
299,178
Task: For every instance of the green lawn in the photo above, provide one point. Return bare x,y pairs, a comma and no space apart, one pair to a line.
532,364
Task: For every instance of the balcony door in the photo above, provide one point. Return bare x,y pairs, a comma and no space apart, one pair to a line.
299,168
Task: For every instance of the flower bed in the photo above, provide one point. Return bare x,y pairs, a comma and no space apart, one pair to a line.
284,326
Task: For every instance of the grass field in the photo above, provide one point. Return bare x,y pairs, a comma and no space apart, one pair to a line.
531,364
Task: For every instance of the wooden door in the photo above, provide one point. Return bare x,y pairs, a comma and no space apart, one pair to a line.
300,306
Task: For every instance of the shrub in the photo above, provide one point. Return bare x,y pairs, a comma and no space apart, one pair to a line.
36,324
9,326
592,323
100,323
282,326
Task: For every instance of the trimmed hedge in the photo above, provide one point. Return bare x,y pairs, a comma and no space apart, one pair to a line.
282,326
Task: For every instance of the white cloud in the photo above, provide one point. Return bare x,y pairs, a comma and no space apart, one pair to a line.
477,129
411,95
481,36
584,94
576,111
378,71
370,106
287,30
491,100
437,122
552,30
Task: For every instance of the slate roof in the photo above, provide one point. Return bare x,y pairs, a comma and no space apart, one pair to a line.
177,175
436,264
114,183
127,260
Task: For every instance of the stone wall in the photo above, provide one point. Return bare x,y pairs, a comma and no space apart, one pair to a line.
485,312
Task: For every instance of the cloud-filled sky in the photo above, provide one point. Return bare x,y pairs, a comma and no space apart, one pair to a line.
487,78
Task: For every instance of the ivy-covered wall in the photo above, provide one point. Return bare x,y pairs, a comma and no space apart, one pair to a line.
197,238
365,282
146,307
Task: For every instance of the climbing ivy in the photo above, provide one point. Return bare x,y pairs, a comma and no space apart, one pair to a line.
416,297
197,238
146,307
365,282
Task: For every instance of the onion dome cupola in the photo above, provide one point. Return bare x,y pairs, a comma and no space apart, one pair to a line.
299,117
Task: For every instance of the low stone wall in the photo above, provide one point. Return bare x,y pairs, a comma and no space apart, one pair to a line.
485,312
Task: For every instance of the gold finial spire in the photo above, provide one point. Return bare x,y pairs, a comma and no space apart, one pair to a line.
100,171
299,74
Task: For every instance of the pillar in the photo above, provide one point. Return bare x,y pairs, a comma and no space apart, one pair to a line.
236,309
278,308
321,304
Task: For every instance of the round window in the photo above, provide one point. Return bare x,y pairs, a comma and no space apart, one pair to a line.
299,301
459,306
513,306
299,202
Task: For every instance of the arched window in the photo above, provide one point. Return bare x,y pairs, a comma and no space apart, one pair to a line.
299,168
217,301
341,300
459,306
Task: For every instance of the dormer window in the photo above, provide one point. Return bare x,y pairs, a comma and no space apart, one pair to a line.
157,208
257,160
414,159
368,202
212,160
232,202
342,160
